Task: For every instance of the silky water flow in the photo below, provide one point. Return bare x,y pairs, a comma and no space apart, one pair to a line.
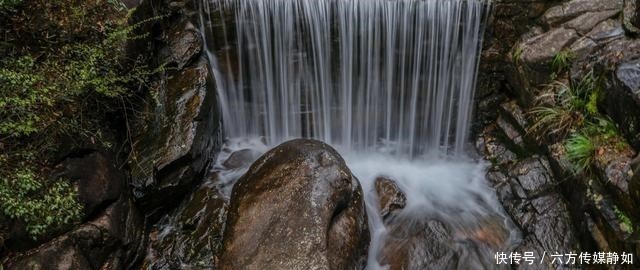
389,84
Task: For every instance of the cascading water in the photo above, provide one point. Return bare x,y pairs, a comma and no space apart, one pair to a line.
388,83
359,74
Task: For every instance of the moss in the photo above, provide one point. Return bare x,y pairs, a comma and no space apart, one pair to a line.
625,222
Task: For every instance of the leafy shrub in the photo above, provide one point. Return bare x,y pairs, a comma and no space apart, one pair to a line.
8,5
41,207
63,74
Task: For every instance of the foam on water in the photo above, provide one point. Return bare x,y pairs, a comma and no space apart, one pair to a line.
450,190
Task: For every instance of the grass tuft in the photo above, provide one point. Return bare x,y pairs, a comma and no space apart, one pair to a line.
581,151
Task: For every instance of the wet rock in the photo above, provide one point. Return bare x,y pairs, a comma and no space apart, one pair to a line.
298,207
98,181
491,147
173,147
529,193
111,241
583,48
241,158
406,247
532,62
184,44
574,8
631,16
191,236
622,102
541,49
431,244
390,196
606,30
585,22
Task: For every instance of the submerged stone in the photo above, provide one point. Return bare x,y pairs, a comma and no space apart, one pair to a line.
390,196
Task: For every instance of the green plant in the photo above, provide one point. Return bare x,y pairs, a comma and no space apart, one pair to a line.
556,121
64,78
9,5
40,206
517,54
602,127
565,107
626,223
580,152
561,60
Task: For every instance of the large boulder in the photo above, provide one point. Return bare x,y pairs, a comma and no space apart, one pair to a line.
298,207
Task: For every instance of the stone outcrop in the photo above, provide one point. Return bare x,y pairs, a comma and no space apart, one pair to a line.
298,207
190,236
390,197
176,140
111,240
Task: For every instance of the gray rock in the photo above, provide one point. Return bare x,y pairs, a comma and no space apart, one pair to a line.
583,48
540,50
631,18
622,102
585,22
606,30
574,8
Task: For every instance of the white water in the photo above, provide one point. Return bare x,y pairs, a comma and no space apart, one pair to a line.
362,74
388,83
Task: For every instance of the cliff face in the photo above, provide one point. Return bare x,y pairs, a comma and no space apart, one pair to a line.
563,77
167,135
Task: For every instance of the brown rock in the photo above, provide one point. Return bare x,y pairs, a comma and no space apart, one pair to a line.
390,197
174,146
241,158
111,241
298,207
99,182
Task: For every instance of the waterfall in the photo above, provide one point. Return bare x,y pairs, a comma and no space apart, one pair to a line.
389,83
396,76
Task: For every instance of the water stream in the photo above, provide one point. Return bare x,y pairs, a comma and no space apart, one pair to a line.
388,83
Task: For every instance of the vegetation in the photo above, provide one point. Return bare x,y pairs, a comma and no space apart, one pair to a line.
64,76
571,111
54,206
517,54
580,151
561,60
626,224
